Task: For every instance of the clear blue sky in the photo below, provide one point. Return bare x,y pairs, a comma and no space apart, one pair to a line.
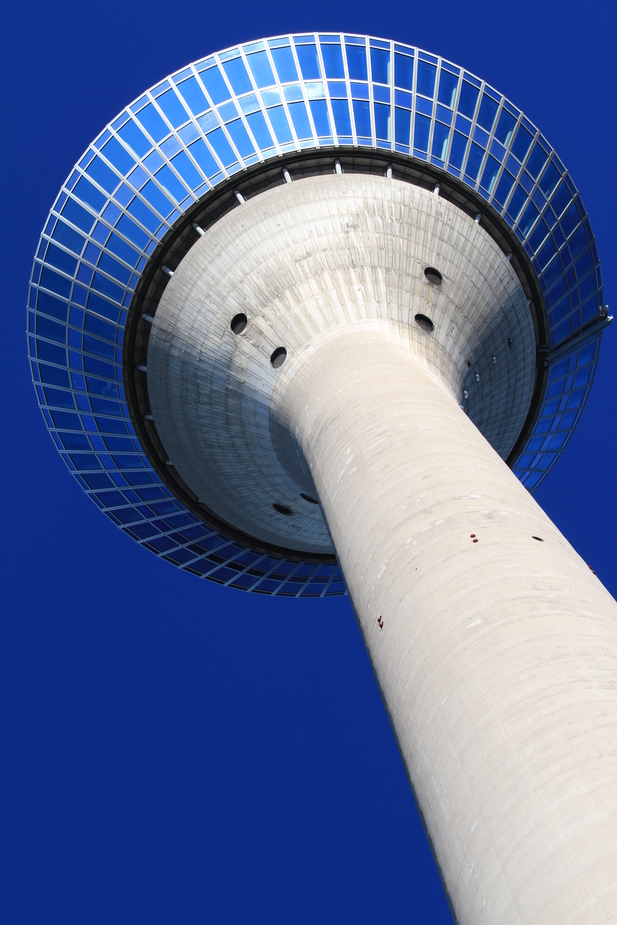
177,752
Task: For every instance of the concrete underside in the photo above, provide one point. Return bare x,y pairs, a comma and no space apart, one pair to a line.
493,644
301,261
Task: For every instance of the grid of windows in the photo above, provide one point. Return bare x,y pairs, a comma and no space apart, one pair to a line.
219,116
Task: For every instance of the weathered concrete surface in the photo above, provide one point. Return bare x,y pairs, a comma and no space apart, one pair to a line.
496,653
300,260
497,659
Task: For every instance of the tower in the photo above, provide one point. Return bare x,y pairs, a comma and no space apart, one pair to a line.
273,281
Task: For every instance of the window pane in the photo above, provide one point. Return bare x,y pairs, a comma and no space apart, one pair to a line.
285,65
402,126
261,70
333,61
426,78
380,66
403,71
356,62
309,65
448,85
341,117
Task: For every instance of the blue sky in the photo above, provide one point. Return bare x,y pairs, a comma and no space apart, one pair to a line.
177,752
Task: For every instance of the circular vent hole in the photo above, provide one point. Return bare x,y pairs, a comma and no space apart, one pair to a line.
425,323
282,509
309,498
433,276
278,358
238,323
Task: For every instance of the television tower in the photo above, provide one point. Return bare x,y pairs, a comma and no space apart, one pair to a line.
318,313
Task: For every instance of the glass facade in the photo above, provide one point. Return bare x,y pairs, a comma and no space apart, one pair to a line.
219,116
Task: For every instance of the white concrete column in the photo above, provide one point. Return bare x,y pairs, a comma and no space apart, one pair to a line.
496,653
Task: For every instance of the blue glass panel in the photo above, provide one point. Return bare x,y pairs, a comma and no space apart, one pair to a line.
403,72
187,170
333,61
49,305
300,119
337,89
489,175
537,160
101,328
487,113
104,285
342,120
202,154
53,375
193,95
584,264
505,127
66,420
570,220
321,118
285,64
280,124
382,121
156,198
118,155
468,99
173,108
214,83
147,218
222,147
103,174
359,91
89,194
152,122
77,215
362,117
58,399
426,79
457,152
381,94
517,202
522,143
577,242
529,216
448,85
134,138
539,234
474,161
504,187
549,181
422,127
50,352
110,265
380,66
356,62
237,76
260,69
309,64
240,138
103,307
51,330
260,130
67,236
61,259
441,135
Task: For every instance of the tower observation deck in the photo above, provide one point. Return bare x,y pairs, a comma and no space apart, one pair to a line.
316,315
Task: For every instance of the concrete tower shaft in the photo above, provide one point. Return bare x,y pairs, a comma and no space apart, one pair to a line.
493,644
